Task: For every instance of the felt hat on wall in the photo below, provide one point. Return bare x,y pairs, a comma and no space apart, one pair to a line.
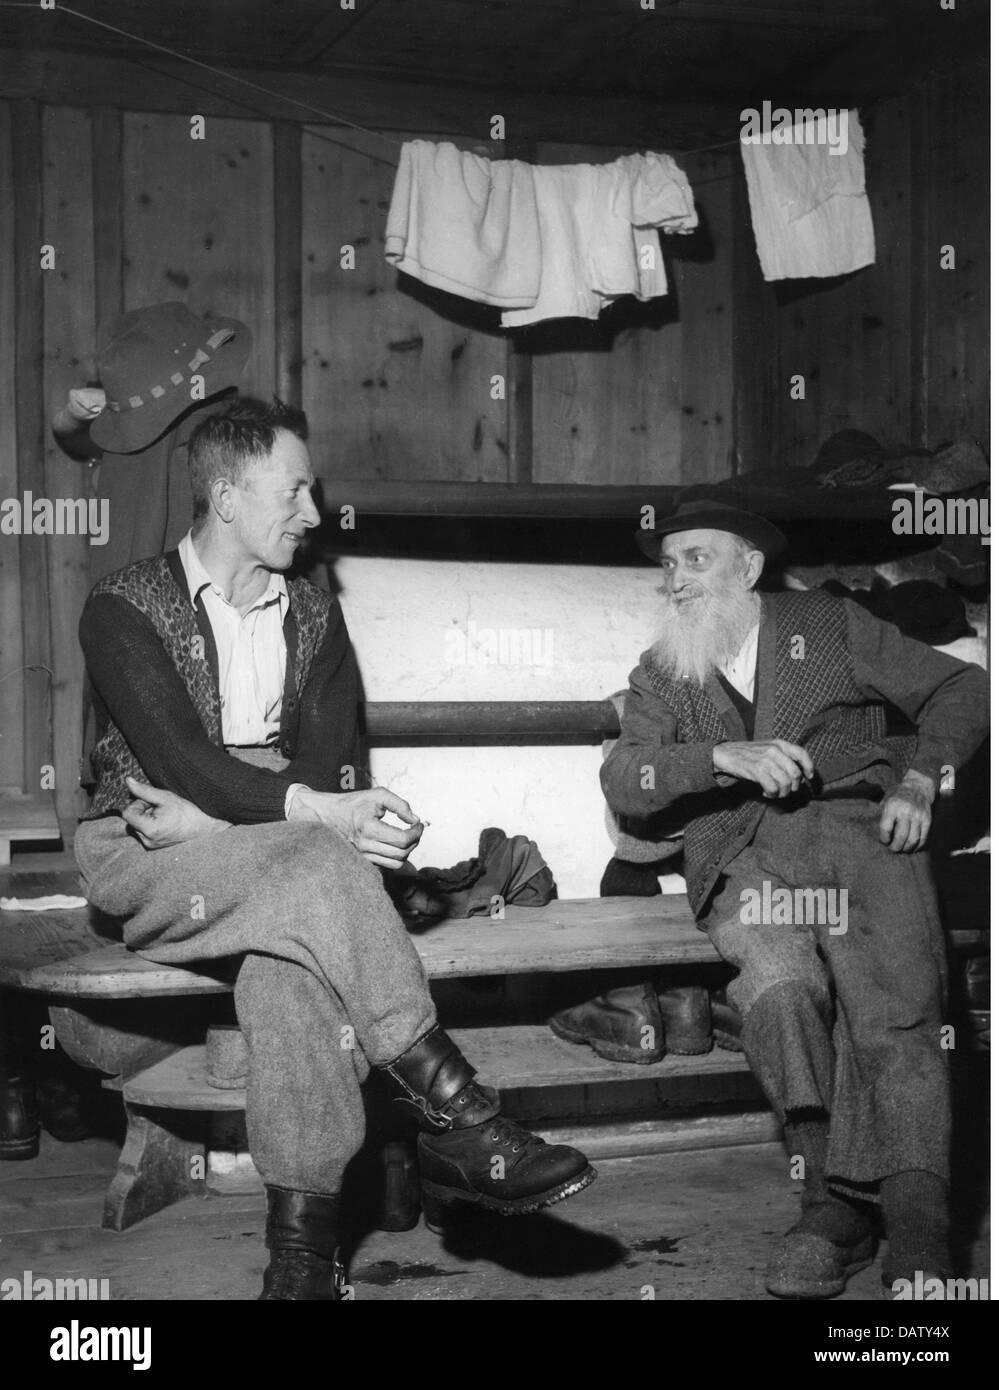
147,366
706,513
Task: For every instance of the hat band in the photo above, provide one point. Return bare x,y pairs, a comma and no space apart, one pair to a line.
201,356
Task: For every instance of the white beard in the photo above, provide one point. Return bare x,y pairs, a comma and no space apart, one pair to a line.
692,644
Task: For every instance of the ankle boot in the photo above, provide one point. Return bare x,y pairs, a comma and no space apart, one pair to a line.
18,1117
686,1020
623,1025
302,1238
468,1151
399,1209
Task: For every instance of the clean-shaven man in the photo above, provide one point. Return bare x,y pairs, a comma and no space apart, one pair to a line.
228,710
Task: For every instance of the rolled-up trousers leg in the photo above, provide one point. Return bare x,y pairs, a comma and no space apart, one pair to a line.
328,964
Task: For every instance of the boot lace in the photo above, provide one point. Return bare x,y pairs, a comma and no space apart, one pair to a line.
508,1134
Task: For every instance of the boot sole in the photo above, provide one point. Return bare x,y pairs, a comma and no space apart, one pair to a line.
16,1151
695,1049
611,1052
437,1199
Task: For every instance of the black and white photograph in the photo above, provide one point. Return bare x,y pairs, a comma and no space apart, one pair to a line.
494,700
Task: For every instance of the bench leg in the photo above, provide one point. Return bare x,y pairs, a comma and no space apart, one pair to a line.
163,1160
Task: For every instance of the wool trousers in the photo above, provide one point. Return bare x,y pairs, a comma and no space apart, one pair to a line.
330,982
842,1021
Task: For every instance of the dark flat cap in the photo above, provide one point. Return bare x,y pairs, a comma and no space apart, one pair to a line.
708,514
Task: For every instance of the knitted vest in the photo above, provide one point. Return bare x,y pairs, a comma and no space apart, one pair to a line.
817,704
150,586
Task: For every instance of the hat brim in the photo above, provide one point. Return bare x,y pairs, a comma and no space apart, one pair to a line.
759,532
126,432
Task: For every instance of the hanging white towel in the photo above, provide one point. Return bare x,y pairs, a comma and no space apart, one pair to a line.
541,242
465,224
809,206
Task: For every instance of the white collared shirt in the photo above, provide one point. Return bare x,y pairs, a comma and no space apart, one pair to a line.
251,651
740,672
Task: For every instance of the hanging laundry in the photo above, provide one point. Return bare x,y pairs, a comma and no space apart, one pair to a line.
598,233
541,241
809,206
465,224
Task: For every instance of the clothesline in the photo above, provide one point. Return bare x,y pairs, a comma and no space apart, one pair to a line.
805,243
265,91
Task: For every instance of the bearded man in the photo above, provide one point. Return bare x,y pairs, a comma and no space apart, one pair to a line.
761,718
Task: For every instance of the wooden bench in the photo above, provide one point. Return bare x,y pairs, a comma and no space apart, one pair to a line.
142,1025
116,1012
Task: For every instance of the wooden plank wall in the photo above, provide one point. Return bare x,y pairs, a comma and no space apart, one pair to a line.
12,684
198,224
900,348
396,377
955,346
644,395
69,336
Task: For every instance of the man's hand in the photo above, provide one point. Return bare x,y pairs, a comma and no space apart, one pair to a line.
358,817
83,404
160,818
906,814
774,764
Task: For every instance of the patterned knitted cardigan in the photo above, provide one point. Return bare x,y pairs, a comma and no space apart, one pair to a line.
152,661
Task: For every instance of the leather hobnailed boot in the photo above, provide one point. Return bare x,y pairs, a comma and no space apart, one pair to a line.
686,1020
623,1025
469,1152
302,1238
18,1117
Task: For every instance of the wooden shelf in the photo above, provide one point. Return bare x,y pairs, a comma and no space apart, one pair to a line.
585,503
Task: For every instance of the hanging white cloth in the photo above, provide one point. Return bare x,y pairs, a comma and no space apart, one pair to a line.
599,233
809,206
540,241
465,224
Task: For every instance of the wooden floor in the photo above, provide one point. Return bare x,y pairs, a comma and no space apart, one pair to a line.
693,1226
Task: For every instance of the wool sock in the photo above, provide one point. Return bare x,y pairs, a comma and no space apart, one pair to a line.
917,1225
824,1213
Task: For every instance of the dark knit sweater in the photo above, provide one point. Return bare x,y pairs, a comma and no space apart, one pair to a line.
826,671
152,661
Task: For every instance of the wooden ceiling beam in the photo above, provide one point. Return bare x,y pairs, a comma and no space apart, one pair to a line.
62,79
743,12
321,35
